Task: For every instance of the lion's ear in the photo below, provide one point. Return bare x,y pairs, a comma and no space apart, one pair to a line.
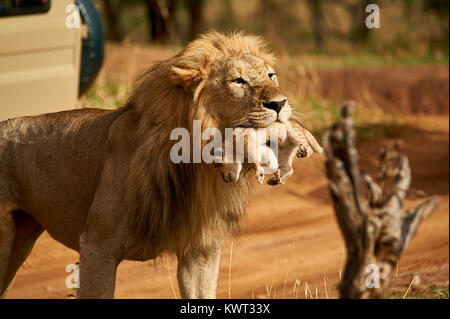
187,78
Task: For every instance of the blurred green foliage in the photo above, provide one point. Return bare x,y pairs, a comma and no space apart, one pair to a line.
418,28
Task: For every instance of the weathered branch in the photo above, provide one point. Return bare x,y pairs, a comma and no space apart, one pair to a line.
374,230
413,218
374,190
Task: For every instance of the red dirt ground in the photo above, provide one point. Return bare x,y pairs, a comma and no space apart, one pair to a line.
290,233
399,89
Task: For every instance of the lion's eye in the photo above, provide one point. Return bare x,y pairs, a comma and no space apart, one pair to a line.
271,75
239,81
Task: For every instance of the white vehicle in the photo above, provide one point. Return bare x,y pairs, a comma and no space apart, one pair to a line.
46,62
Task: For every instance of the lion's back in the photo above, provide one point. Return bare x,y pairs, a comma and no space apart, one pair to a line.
32,128
49,164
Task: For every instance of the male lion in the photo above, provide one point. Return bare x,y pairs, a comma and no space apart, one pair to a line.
102,183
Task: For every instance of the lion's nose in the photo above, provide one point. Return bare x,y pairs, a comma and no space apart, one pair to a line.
275,105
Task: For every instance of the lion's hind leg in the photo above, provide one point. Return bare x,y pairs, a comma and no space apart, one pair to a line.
27,231
7,233
286,156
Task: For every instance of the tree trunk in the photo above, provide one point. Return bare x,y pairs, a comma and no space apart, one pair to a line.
316,22
360,33
161,21
157,28
111,11
196,15
375,231
270,18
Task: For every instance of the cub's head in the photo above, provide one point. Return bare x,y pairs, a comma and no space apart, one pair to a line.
231,77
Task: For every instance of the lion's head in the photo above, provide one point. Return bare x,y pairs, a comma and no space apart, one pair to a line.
234,75
223,81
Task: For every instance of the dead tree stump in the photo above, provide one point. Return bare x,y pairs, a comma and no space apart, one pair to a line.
371,220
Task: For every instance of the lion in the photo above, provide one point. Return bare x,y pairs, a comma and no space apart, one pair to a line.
293,139
101,182
290,139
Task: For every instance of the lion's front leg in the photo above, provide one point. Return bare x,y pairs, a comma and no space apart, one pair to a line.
97,274
198,273
102,240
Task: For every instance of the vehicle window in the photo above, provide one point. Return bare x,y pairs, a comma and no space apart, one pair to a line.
19,7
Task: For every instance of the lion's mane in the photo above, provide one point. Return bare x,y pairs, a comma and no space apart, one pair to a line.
177,207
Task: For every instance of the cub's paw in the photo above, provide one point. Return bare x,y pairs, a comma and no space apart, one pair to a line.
276,179
304,151
260,175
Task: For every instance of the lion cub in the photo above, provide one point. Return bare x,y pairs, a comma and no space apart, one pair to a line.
293,140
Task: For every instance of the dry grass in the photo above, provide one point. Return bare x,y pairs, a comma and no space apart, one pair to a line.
229,270
303,87
421,292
